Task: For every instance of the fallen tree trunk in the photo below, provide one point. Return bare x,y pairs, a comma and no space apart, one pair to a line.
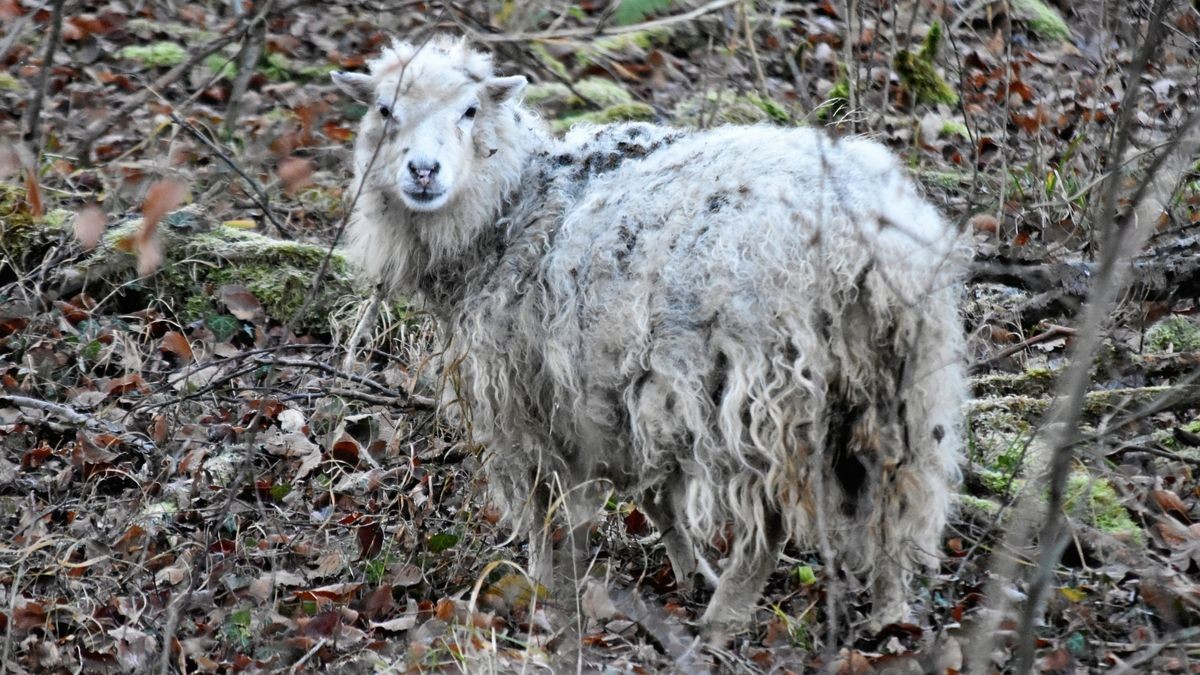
199,258
1163,273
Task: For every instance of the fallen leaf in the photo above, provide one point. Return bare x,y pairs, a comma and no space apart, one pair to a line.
162,198
175,343
296,173
33,194
1170,502
130,382
240,302
985,223
89,226
400,623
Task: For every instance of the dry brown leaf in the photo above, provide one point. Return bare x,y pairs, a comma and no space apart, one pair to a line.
296,174
1170,502
240,302
89,226
175,343
985,222
33,194
121,385
149,253
162,198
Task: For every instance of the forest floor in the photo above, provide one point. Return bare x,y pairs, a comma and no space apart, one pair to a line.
196,476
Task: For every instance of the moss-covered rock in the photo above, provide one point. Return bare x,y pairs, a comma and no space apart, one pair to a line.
1043,20
21,233
635,45
199,257
729,107
978,505
622,112
1173,334
1094,501
919,74
1032,382
598,90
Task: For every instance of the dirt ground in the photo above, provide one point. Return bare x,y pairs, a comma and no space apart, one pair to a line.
196,476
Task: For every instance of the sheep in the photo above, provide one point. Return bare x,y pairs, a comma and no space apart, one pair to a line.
747,329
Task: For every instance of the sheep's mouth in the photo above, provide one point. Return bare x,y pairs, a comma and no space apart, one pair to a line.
425,196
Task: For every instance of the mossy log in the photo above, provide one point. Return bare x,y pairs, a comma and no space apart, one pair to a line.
1096,404
199,257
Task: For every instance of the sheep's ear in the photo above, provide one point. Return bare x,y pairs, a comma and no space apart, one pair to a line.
501,89
356,85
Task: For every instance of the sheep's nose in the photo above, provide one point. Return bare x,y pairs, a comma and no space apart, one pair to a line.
423,172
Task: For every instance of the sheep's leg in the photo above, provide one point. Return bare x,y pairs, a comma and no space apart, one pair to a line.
913,512
741,583
666,511
541,544
889,594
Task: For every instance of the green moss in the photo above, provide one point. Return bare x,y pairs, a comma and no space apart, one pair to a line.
544,93
547,59
635,11
772,108
178,32
14,211
156,54
201,257
955,128
1031,382
1097,503
919,74
999,483
1043,20
729,107
836,102
57,217
985,506
280,68
10,83
624,112
1173,334
221,66
635,43
946,179
603,92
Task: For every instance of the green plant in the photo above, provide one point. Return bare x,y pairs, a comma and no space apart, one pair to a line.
636,11
919,75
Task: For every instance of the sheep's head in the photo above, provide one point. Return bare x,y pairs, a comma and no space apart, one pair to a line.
433,112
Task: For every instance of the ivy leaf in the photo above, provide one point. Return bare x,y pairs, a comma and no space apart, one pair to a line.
442,541
636,11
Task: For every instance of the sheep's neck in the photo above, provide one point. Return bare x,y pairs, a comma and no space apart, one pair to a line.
449,280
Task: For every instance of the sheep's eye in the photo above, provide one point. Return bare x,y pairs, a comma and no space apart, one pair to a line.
470,113
385,112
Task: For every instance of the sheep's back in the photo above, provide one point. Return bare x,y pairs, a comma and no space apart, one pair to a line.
724,262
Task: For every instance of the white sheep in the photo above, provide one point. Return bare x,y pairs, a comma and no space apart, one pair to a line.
746,329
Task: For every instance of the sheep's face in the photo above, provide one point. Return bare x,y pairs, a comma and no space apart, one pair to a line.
433,114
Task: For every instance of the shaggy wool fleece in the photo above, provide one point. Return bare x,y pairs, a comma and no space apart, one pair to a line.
747,329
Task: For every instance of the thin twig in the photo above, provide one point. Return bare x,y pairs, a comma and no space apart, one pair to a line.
1052,332
1155,450
609,30
33,115
252,46
136,99
77,419
257,193
1118,243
